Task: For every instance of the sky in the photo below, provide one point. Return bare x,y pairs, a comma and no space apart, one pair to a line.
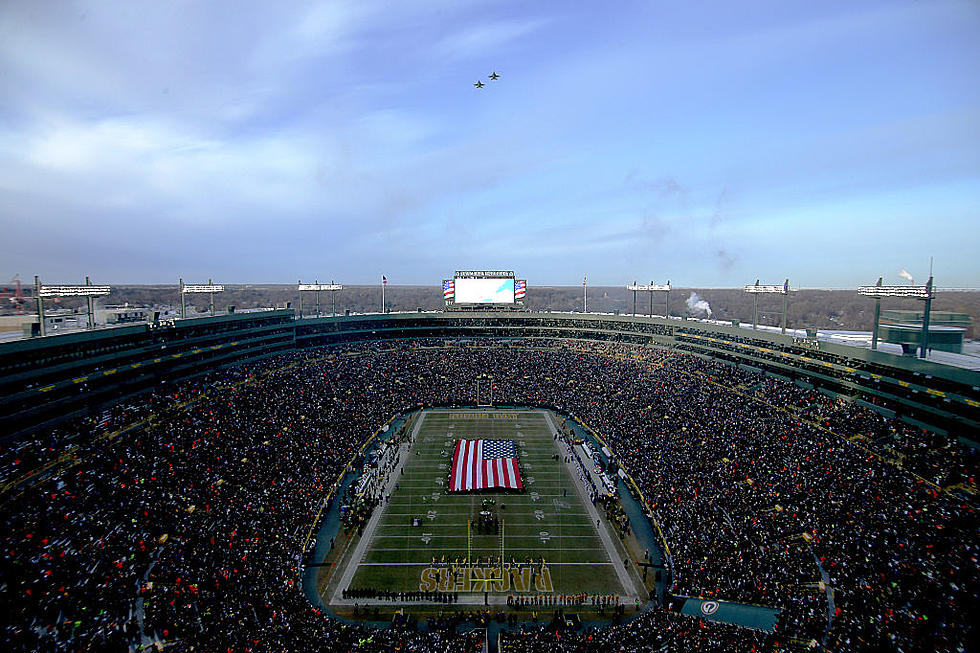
708,143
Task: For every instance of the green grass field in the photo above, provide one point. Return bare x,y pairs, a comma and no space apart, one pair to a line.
549,519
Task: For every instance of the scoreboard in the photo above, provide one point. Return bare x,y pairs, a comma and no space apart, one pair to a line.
484,291
470,289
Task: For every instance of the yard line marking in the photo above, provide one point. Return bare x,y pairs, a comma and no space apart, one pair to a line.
452,548
550,564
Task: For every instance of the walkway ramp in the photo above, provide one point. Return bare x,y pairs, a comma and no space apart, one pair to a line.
741,614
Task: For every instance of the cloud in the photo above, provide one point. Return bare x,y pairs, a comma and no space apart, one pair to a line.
364,183
144,164
314,31
662,187
485,39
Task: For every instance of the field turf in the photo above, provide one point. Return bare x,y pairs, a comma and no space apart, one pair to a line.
548,519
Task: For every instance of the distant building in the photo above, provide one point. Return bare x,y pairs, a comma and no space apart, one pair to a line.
122,315
63,320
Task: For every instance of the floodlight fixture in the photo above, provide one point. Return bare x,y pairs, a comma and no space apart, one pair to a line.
203,288
913,292
759,289
317,287
925,293
775,290
651,288
648,287
209,288
74,291
88,291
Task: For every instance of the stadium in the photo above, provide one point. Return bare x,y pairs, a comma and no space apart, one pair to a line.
483,478
489,326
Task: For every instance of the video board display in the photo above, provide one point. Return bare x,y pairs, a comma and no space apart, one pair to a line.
484,291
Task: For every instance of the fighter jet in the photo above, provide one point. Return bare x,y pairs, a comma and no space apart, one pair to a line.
494,75
479,83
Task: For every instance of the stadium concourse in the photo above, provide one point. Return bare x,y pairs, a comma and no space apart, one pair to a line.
184,532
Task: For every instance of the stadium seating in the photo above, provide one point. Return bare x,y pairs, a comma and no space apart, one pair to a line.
177,517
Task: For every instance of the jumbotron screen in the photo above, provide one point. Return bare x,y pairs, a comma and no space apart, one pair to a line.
484,291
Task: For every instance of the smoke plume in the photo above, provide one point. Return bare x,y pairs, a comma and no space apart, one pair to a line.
698,306
905,275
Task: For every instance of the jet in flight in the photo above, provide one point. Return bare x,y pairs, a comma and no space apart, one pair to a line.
494,75
479,83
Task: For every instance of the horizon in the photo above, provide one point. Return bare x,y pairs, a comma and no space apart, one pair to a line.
437,284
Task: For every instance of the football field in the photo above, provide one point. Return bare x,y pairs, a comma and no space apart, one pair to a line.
543,539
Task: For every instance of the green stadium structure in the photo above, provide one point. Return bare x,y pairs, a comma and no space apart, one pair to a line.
546,548
46,380
946,330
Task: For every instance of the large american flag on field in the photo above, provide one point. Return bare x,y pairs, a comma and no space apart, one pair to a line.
520,289
448,289
483,465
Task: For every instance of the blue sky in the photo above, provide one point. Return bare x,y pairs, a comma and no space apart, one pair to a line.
709,143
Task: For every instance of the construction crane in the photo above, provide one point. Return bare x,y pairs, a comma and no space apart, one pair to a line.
12,296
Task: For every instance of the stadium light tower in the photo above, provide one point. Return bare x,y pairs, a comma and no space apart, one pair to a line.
924,293
210,288
316,287
88,291
757,290
651,288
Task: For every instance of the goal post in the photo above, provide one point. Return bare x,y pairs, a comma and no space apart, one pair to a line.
503,523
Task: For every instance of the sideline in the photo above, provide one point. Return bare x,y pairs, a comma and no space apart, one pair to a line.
612,552
365,539
334,489
643,500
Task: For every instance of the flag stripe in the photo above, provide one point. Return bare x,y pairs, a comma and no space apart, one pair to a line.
474,463
457,465
477,465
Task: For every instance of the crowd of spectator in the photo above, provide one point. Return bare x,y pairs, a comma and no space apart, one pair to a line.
189,530
652,631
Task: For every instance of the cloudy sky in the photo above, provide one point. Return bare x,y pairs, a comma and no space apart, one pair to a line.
709,143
